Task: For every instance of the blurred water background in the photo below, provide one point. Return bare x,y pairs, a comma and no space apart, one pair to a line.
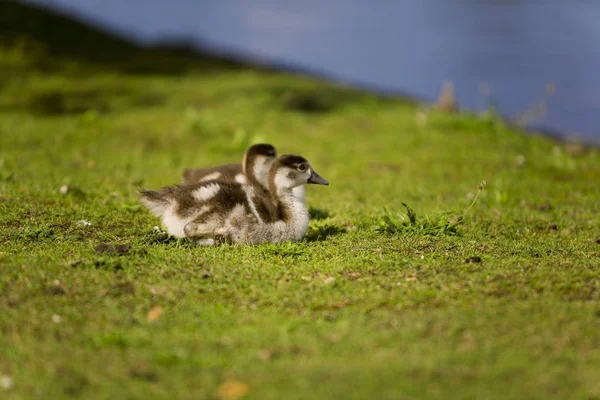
535,61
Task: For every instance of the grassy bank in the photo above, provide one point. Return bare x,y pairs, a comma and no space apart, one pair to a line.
503,305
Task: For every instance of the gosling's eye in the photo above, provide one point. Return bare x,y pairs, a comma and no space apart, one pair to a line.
302,167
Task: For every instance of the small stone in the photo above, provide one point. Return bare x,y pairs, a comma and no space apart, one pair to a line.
206,274
329,280
71,190
74,263
154,314
543,206
352,275
232,390
265,354
6,382
57,319
55,290
106,248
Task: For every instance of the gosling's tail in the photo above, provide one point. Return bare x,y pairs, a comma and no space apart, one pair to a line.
156,201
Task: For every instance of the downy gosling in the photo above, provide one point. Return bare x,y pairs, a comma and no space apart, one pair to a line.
213,211
261,156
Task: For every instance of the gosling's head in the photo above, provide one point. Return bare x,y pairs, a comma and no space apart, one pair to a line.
289,171
257,162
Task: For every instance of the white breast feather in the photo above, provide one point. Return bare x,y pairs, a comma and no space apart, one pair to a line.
299,193
297,227
280,231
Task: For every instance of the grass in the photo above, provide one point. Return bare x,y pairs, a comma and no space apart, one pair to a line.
443,224
98,303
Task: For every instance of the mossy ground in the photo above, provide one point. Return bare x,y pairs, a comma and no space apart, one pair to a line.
507,308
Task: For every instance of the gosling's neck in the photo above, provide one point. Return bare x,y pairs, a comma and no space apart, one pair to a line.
290,210
249,170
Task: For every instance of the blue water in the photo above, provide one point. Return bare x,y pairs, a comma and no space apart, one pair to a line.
509,52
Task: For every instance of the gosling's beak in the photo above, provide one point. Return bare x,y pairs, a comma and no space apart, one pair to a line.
317,179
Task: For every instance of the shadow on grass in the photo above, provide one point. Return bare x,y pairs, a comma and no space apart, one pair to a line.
321,230
317,231
158,237
318,214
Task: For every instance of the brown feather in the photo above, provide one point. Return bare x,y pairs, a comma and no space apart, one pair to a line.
227,171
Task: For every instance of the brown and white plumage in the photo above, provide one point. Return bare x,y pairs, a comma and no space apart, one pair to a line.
207,212
258,158
226,172
261,157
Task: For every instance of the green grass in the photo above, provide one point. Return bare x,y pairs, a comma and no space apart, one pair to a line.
505,304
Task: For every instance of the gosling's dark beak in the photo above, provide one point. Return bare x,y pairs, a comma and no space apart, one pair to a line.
317,179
